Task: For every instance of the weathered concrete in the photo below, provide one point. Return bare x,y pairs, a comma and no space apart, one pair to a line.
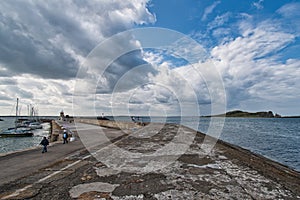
57,127
21,165
135,167
109,124
56,131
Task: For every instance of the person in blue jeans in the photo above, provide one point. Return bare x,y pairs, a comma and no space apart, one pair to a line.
45,143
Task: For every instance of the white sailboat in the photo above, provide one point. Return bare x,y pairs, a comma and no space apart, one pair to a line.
17,131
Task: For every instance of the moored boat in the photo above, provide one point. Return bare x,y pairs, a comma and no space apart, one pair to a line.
35,125
17,131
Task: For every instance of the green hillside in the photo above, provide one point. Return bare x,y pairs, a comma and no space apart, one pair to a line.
239,113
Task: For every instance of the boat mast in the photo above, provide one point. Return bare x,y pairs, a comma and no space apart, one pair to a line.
17,107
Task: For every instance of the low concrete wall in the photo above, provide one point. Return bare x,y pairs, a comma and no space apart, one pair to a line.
56,132
110,124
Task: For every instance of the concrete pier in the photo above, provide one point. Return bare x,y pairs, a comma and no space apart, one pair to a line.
110,163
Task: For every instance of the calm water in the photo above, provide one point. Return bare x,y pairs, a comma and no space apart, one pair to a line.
277,139
20,143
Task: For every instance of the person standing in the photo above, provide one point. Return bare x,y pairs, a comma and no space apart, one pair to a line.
65,137
45,143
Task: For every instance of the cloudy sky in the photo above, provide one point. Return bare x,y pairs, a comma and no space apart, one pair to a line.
93,57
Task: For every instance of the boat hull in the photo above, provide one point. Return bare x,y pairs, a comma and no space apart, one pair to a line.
17,132
29,134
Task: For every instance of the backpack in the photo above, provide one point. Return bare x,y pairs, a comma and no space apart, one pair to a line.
65,135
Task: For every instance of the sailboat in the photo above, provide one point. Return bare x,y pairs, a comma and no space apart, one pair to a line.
17,131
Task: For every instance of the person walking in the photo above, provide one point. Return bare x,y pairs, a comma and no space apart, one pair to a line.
65,137
45,143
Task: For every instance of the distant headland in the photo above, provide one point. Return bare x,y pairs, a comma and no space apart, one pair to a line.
262,114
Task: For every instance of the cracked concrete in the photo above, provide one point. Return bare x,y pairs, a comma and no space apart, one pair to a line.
191,175
134,167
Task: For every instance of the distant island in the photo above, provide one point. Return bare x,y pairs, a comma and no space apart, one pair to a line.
239,113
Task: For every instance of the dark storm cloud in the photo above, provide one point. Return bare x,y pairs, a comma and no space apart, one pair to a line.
50,39
127,72
25,46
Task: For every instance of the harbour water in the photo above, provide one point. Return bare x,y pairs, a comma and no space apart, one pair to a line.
274,138
10,144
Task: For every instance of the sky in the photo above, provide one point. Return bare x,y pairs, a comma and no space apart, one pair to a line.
149,57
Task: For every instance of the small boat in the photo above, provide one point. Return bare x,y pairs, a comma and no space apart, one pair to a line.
35,125
17,131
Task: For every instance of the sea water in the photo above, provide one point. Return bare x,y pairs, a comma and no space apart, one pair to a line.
274,138
10,144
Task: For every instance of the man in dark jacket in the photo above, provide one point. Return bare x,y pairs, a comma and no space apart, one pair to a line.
45,143
65,137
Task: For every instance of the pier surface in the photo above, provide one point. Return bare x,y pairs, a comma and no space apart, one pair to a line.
150,163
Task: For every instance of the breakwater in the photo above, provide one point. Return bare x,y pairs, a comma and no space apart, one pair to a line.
274,138
56,131
57,126
143,171
110,123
